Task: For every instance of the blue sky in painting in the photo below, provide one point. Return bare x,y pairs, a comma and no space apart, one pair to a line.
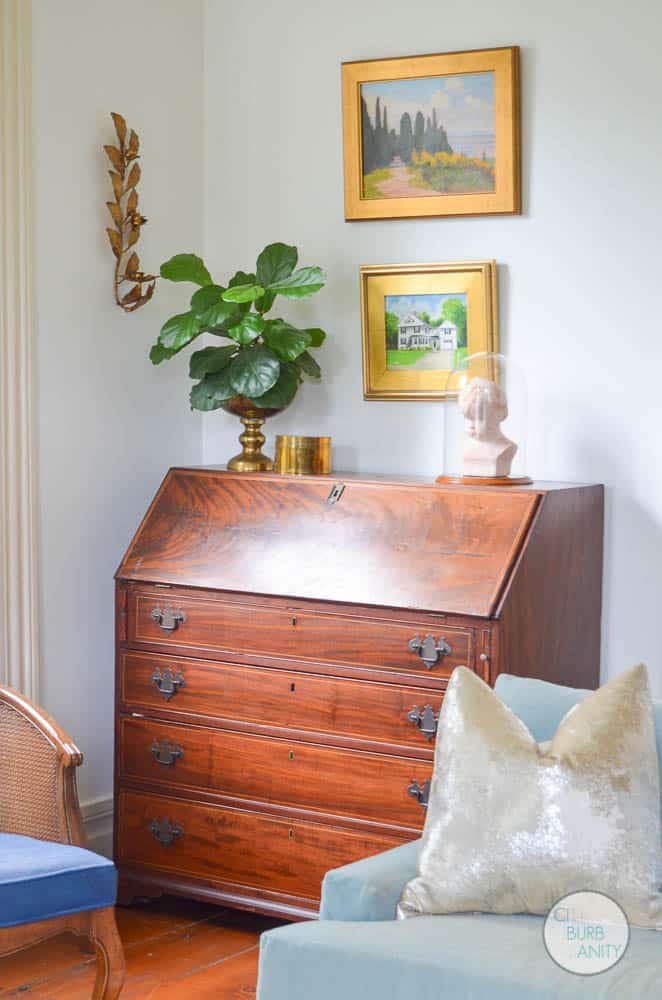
464,103
431,304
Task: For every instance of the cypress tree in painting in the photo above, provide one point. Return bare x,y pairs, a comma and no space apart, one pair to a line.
419,132
406,138
369,150
381,143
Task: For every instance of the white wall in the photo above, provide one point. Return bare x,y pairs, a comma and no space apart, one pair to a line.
110,424
579,270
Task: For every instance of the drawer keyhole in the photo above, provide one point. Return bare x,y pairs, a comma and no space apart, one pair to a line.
291,755
294,621
293,686
290,833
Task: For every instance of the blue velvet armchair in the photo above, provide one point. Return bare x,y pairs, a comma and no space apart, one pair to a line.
49,882
358,951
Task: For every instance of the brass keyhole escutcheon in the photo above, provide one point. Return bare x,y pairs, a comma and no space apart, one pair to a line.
291,755
290,833
294,621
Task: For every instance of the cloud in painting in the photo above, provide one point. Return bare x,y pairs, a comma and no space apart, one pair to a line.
463,104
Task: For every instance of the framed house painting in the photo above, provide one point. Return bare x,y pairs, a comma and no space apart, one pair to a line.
420,321
432,135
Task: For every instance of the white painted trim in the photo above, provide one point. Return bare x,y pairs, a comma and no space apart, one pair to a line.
19,641
98,820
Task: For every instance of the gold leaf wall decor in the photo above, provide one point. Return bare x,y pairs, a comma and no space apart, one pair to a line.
127,220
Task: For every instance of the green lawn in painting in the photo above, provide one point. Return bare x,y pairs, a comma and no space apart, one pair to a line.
372,181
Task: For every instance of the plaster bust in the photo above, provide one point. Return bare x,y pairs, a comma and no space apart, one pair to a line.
487,450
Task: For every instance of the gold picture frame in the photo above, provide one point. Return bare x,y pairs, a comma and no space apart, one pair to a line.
459,151
445,312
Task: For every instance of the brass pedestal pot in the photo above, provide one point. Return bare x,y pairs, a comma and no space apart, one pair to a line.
251,457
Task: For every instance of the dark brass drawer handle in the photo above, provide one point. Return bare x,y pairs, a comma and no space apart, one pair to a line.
168,619
166,753
170,683
165,832
429,649
420,792
425,720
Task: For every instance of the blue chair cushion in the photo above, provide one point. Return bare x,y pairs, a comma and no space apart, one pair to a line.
454,957
40,880
369,889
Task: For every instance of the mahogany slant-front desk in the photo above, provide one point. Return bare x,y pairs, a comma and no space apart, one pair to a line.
283,648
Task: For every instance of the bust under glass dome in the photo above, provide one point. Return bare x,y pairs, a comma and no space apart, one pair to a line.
485,426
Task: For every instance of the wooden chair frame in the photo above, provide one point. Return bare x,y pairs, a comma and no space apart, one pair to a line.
98,926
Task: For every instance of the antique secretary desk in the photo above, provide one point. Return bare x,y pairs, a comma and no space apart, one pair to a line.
283,647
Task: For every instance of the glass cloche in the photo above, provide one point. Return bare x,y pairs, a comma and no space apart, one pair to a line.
485,426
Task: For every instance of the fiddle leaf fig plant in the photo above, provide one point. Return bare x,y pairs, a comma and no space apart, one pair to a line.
266,359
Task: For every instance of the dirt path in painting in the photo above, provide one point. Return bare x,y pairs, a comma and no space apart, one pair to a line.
433,361
399,183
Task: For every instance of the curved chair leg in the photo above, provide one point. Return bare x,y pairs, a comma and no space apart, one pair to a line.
110,955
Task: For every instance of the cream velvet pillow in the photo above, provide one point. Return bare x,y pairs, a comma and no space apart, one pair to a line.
513,825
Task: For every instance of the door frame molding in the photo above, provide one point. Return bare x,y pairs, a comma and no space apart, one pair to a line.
19,613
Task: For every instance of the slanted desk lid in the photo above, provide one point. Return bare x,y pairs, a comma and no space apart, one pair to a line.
393,544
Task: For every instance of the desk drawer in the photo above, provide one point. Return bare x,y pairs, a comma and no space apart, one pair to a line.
261,769
338,708
234,846
189,624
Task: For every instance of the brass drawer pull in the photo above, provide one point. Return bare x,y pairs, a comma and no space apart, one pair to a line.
166,753
168,619
165,832
170,683
420,792
429,650
425,720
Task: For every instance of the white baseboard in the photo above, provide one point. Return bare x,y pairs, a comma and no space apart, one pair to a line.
98,820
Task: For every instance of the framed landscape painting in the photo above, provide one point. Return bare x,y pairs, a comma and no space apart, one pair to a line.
432,135
420,321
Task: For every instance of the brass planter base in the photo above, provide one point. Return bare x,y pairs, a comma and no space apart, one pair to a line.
250,458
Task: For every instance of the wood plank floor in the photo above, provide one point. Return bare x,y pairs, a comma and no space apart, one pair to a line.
174,948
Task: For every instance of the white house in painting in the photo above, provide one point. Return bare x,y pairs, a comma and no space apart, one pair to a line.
415,334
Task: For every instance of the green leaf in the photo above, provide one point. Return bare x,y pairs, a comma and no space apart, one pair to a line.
307,363
241,278
254,371
265,302
305,281
247,329
243,293
186,267
285,340
275,263
282,392
211,392
178,331
210,360
208,305
317,336
159,353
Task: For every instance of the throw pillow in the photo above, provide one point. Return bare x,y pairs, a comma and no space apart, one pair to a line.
513,825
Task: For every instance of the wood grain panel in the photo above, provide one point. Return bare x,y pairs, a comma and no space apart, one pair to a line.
218,629
234,846
314,706
552,610
437,548
280,772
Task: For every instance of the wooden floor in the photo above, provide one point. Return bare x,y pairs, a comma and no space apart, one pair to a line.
174,949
